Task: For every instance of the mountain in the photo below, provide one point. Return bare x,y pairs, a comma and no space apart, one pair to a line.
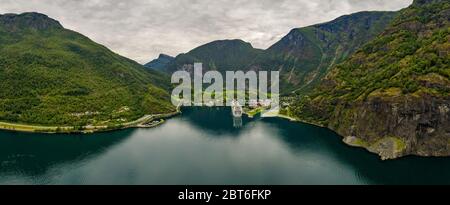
306,54
53,76
303,56
393,95
160,63
222,55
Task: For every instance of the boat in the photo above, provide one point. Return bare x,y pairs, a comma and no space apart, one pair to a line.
236,108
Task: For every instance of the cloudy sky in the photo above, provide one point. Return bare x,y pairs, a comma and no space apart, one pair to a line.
141,29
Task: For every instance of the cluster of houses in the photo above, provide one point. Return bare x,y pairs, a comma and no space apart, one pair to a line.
259,103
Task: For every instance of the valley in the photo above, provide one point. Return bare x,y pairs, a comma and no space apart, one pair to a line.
379,79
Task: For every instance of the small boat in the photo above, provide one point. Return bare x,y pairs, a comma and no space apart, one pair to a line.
236,108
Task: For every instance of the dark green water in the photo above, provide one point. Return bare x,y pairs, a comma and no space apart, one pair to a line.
202,147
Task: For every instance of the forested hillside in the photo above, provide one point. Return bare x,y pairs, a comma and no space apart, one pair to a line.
53,76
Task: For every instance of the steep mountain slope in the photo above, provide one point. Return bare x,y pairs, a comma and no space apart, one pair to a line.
392,96
219,55
305,55
160,63
53,76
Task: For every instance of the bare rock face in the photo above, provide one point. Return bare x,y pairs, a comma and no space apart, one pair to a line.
392,96
395,127
30,20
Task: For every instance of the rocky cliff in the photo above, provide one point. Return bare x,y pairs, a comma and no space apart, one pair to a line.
303,56
393,95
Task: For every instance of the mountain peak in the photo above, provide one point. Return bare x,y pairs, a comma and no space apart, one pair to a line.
225,42
162,55
160,62
28,20
220,55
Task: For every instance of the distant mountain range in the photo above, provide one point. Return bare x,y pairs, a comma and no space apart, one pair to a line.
160,63
306,54
303,56
380,79
53,76
219,55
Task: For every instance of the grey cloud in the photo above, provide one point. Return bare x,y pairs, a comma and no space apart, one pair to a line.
141,29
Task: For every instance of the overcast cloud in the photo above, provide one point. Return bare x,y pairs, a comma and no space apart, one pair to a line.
141,29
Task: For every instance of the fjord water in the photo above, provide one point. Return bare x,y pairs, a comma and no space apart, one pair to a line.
203,146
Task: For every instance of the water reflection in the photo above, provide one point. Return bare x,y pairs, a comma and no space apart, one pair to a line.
237,122
34,154
203,146
367,167
216,122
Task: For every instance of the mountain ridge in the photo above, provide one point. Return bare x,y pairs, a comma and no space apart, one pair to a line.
306,53
221,55
392,96
303,56
28,20
160,63
63,78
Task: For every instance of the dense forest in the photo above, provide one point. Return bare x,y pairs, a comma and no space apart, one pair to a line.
53,76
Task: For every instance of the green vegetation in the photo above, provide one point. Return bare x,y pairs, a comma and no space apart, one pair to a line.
223,55
396,85
411,57
306,54
54,76
303,57
253,112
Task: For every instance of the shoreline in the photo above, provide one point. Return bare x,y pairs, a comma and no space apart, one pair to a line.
142,122
151,121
